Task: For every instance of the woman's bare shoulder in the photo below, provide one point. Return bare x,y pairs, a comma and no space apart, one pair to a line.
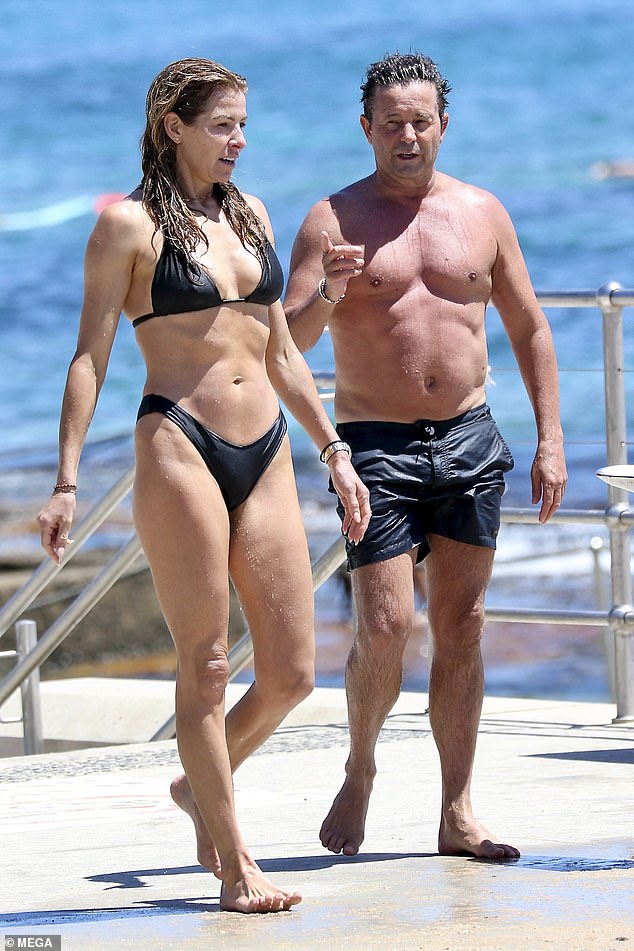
125,221
123,232
257,205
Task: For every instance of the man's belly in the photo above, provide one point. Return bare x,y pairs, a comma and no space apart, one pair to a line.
404,398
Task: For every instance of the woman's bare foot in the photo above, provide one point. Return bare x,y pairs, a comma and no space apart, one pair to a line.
343,829
470,836
181,793
252,893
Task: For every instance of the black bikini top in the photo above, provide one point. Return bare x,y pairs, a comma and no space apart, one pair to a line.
174,291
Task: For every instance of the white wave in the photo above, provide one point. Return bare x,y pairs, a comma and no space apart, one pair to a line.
46,217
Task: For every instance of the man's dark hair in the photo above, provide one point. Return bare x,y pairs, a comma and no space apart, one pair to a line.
399,69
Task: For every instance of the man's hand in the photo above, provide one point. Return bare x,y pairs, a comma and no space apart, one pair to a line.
340,263
548,478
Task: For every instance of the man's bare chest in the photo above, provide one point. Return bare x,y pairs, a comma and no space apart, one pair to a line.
431,250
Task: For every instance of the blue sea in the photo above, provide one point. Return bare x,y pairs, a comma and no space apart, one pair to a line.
543,90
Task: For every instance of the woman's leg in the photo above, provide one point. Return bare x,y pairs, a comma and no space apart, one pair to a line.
270,567
184,528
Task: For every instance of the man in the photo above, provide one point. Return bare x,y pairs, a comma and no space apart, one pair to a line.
401,266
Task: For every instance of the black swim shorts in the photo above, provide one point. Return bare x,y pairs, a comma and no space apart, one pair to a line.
442,477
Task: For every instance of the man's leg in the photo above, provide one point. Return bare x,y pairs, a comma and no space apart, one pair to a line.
384,601
457,578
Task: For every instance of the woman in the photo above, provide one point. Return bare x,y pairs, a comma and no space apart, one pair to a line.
189,260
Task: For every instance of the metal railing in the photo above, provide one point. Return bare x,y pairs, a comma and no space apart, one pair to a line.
31,719
617,517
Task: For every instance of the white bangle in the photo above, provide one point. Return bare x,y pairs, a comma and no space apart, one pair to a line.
322,293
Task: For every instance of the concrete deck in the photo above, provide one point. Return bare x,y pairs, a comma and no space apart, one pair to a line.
94,850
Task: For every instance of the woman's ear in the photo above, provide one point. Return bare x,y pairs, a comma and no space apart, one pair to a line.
172,125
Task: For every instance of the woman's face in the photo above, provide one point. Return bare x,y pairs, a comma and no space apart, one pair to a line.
207,150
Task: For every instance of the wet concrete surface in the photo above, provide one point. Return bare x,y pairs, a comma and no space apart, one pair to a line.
94,850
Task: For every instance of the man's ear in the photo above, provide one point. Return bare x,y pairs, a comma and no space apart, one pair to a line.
365,125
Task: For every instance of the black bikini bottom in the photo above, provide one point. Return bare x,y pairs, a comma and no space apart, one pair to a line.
236,469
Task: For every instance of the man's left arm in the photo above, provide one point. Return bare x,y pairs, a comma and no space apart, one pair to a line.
532,341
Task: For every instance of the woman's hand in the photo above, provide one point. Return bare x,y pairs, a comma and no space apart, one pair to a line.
353,494
55,519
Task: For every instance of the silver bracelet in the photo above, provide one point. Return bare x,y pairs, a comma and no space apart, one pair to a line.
324,296
337,446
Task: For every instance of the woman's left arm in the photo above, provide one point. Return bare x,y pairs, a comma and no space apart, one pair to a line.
293,382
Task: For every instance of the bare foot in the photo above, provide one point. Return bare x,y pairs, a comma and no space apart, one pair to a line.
471,837
181,793
254,894
343,829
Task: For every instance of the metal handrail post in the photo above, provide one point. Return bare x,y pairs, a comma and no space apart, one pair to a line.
616,447
71,617
331,560
25,595
601,599
26,639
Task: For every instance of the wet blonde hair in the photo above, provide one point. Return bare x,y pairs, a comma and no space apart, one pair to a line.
184,87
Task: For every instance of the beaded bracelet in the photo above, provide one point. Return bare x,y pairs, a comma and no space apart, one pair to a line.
321,287
63,487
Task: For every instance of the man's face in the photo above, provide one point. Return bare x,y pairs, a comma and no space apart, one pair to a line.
405,132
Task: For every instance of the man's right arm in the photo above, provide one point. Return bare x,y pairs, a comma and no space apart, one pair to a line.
318,255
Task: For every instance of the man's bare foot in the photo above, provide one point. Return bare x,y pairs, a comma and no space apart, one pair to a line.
343,829
181,793
471,837
254,894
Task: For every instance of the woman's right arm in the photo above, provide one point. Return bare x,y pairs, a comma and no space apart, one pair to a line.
110,256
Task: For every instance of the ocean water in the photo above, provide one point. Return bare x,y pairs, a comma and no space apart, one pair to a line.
542,91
